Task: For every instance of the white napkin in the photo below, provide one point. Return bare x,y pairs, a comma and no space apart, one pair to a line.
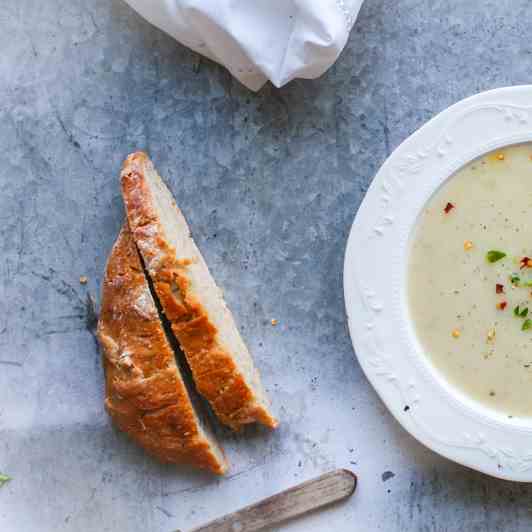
258,40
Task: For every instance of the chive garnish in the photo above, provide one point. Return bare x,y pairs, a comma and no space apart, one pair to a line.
521,313
514,279
493,255
527,324
4,479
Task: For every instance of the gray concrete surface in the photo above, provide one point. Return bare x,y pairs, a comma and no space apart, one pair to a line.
270,184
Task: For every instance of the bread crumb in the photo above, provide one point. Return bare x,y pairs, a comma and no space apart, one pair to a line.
455,333
500,156
83,279
468,245
491,335
274,322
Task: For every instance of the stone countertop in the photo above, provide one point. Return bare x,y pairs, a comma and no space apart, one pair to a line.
270,183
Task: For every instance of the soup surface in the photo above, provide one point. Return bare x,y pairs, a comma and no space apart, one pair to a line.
470,280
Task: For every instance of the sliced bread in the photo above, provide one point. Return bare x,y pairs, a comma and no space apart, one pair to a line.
145,392
221,364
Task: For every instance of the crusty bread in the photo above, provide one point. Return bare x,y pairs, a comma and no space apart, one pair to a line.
145,393
221,365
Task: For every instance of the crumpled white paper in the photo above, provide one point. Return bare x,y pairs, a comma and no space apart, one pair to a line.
258,40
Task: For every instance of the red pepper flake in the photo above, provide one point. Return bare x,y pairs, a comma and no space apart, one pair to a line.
502,305
499,288
448,208
526,262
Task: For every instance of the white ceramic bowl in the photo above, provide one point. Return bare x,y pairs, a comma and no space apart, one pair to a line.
375,279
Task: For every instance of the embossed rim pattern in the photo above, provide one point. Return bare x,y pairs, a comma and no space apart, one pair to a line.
375,272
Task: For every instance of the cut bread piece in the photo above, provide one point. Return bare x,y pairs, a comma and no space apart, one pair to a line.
145,392
221,365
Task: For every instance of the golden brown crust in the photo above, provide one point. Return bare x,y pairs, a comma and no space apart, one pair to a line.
216,375
145,394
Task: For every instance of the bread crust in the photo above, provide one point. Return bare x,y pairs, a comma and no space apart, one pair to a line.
216,375
145,394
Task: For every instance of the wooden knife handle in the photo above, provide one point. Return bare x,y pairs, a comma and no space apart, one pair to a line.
296,501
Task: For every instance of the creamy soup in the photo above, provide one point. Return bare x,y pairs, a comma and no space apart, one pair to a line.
470,280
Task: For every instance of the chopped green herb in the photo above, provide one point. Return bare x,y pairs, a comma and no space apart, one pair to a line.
527,324
494,255
528,284
514,279
524,313
4,479
517,311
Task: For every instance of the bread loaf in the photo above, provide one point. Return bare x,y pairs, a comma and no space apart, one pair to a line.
221,365
145,392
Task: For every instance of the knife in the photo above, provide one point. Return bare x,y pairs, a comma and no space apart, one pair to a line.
301,499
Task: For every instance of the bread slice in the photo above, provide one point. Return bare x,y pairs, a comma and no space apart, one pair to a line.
145,393
221,365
